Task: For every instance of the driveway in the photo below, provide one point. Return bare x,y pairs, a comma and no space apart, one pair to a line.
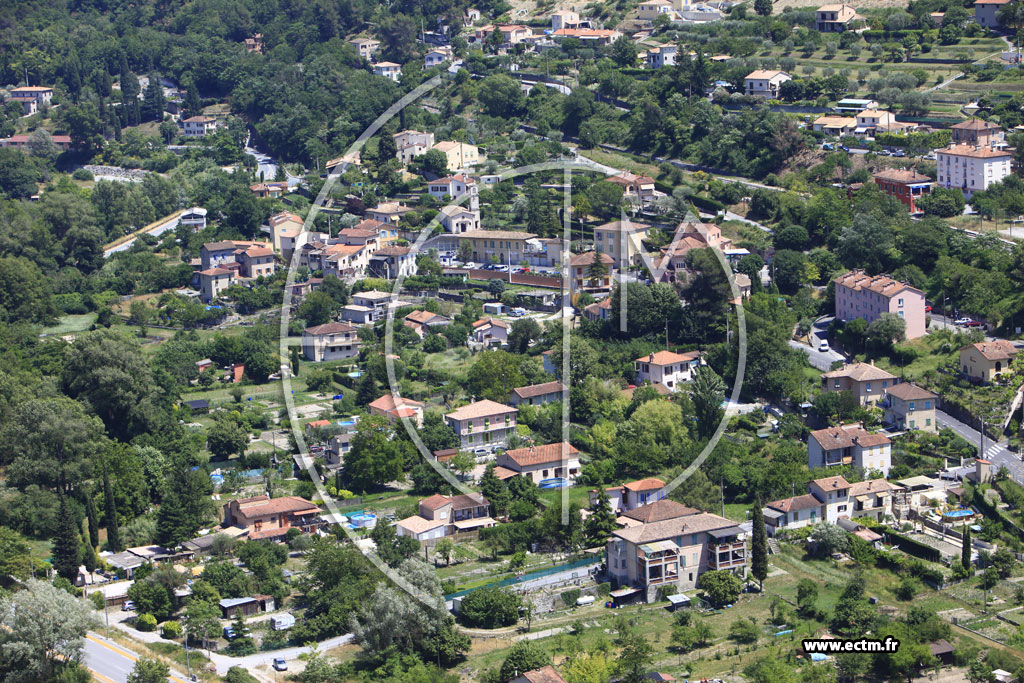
822,360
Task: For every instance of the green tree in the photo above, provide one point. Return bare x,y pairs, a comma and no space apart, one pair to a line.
501,96
759,547
635,659
147,670
434,161
376,458
721,587
494,374
744,631
806,596
317,308
763,7
769,670
110,516
44,626
523,331
526,655
202,621
965,550
707,392
490,607
624,52
392,548
152,108
67,549
92,516
25,292
225,438
601,522
367,392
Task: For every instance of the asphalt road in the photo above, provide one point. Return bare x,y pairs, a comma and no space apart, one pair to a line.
822,360
996,452
112,663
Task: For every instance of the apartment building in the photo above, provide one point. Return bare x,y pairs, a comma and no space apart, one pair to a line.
675,552
332,341
482,424
866,382
971,168
859,295
849,444
905,184
507,246
622,240
908,406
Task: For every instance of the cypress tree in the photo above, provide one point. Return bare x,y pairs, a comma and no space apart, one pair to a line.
601,522
759,547
110,516
67,543
93,517
965,551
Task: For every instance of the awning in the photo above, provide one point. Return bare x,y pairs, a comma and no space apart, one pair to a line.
772,514
623,592
725,533
658,547
464,524
862,499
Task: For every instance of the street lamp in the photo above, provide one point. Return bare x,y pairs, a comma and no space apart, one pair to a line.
188,662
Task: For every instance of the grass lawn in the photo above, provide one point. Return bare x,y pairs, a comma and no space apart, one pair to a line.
70,324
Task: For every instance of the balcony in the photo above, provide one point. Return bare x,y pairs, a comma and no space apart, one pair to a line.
728,555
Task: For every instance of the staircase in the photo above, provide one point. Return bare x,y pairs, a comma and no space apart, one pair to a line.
773,546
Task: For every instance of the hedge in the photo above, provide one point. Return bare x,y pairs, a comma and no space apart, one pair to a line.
707,203
570,597
915,548
891,36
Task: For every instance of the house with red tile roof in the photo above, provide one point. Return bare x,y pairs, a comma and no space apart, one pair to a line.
987,361
482,424
441,516
395,407
331,341
830,499
908,406
668,368
537,463
849,444
865,381
658,511
272,517
859,295
632,494
537,394
490,331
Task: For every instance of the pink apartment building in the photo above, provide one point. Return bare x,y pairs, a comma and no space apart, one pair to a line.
859,295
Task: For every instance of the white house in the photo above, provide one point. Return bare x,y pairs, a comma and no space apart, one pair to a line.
411,144
484,424
972,168
849,444
454,186
195,218
332,341
765,83
668,368
457,219
490,331
393,262
658,57
633,494
388,70
198,126
438,56
537,463
564,18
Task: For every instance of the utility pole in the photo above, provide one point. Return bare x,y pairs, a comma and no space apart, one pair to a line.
721,490
188,661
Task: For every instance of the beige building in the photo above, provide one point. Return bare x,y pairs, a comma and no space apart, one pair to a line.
835,125
834,18
411,144
582,271
483,424
987,361
366,47
852,445
622,240
908,406
866,382
285,228
507,246
765,83
332,341
460,154
213,281
537,463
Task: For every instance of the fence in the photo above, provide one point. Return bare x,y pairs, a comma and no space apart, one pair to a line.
541,573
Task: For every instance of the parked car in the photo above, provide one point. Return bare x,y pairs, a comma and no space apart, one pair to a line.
229,633
823,346
962,321
974,323
827,146
927,309
280,664
480,452
128,606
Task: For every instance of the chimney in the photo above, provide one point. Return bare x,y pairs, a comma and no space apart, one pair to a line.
651,359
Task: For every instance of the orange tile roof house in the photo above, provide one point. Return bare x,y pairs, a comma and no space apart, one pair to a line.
395,407
765,83
332,341
675,552
446,515
834,18
859,295
546,674
633,494
582,267
977,132
849,444
490,331
537,463
668,368
483,424
537,394
906,185
830,499
658,511
987,361
272,517
866,382
908,406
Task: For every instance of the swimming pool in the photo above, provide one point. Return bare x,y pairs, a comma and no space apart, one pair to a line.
962,513
555,483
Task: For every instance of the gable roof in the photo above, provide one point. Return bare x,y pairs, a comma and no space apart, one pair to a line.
668,357
261,505
908,391
976,124
484,408
648,484
859,372
845,436
419,525
423,316
765,74
832,483
659,511
535,390
538,455
804,502
669,528
330,328
390,402
997,349
435,502
493,322
589,257
870,486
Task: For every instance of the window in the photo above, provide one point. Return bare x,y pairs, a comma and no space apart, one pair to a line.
911,405
841,508
927,405
899,302
693,539
867,387
911,424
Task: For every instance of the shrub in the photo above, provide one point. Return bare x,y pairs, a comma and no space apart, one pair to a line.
603,589
490,607
570,597
82,174
98,601
146,622
171,630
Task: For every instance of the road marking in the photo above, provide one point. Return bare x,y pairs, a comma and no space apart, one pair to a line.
101,677
127,654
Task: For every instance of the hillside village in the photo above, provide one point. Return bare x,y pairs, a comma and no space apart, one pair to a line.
658,340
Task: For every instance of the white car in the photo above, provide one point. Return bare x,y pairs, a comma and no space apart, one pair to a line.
823,346
962,321
280,664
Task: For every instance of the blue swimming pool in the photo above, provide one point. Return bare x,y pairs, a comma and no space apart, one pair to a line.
556,483
962,513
